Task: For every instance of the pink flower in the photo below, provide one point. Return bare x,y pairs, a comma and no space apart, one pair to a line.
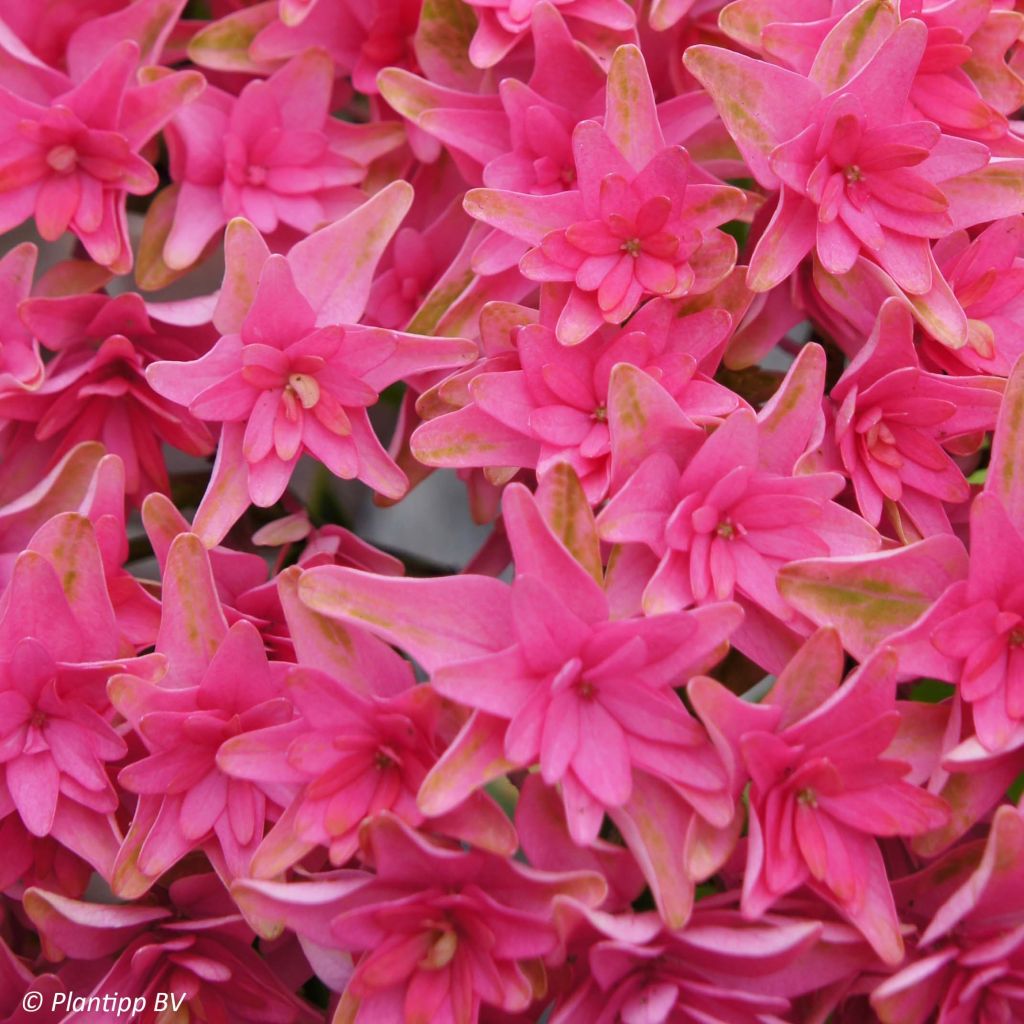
987,277
720,967
279,157
969,964
971,632
555,680
721,528
502,23
361,37
95,388
974,634
521,138
60,646
545,404
351,755
635,227
16,981
445,932
292,371
73,163
948,87
196,948
857,174
893,420
822,786
185,800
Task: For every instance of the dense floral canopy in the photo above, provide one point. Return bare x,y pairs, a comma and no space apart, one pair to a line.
702,322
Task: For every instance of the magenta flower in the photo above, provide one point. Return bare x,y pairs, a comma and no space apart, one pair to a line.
969,964
284,160
73,163
443,933
856,175
350,756
292,372
822,786
185,800
502,23
634,228
893,420
720,967
521,138
197,948
555,680
578,405
60,646
95,388
721,528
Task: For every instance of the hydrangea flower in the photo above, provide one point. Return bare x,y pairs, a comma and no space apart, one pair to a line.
635,226
293,372
686,686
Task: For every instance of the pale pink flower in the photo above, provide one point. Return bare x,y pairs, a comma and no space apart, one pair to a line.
293,372
273,154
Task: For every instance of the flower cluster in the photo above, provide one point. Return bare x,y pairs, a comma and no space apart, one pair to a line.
713,314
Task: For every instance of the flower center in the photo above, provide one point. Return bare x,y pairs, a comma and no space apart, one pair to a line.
381,761
601,414
1016,638
725,530
442,949
586,690
853,173
632,247
306,389
38,720
62,158
807,797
